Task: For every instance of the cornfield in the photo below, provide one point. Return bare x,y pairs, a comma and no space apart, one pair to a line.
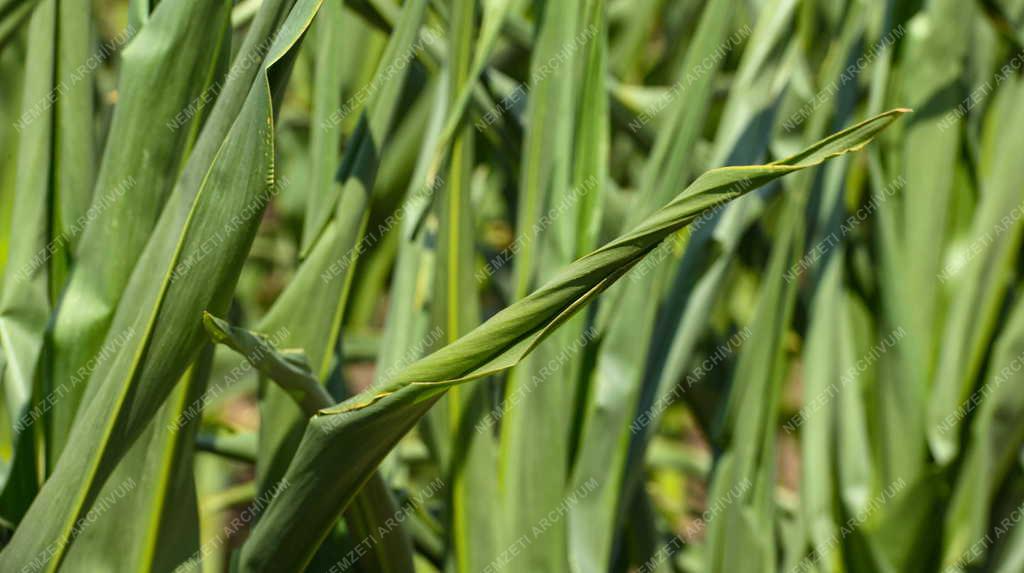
588,286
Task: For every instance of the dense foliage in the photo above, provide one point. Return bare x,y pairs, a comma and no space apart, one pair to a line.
511,285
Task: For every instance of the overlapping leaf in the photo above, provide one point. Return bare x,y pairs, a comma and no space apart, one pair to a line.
327,461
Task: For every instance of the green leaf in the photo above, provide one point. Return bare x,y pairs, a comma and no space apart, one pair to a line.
152,516
160,312
328,461
537,408
341,37
160,462
13,14
470,457
25,302
52,187
610,449
151,135
994,438
290,371
932,59
326,275
745,487
987,265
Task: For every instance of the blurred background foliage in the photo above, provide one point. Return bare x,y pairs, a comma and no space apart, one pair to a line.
823,375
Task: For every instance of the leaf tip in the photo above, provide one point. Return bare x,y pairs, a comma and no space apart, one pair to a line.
216,327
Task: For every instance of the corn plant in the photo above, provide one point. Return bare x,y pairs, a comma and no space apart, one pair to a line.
506,286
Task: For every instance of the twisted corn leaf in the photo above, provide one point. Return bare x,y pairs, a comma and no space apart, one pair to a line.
343,445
